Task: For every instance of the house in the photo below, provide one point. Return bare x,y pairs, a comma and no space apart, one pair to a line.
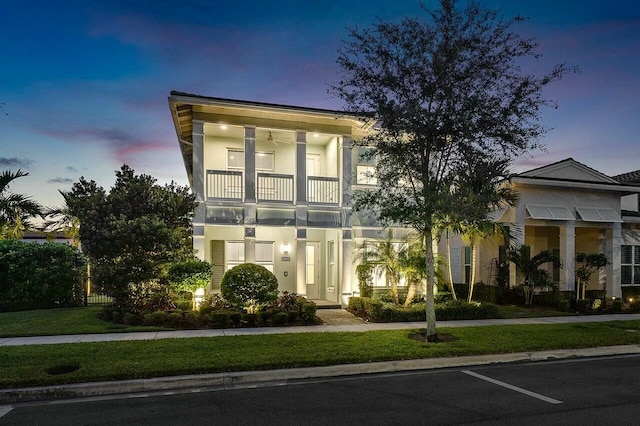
274,182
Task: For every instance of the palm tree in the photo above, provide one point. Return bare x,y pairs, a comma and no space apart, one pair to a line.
384,256
61,220
529,267
16,210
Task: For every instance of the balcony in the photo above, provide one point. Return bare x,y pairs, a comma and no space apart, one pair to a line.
228,185
224,185
275,188
323,190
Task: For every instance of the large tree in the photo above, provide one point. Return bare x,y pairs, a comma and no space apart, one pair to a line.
438,92
133,232
16,210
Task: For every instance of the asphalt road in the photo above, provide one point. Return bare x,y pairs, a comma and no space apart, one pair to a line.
600,391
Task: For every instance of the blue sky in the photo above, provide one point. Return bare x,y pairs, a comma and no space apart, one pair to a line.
85,83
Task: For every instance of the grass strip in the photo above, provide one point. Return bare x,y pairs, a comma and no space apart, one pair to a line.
22,366
49,322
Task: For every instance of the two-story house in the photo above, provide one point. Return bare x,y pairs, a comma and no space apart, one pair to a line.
274,185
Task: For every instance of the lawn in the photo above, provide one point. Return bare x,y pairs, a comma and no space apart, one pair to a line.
47,322
39,364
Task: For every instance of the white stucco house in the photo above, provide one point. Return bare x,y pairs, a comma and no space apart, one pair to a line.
274,182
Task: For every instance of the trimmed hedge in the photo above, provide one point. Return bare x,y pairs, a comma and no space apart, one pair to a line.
377,311
40,276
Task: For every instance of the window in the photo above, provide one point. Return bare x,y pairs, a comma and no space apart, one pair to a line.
264,254
630,265
235,160
365,168
365,175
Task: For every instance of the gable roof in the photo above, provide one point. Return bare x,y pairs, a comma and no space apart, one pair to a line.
568,170
629,177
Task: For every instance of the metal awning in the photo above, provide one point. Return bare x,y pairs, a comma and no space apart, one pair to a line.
548,212
592,214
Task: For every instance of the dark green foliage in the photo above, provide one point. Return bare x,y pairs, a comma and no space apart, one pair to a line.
249,285
251,320
363,272
630,292
189,275
375,310
616,305
39,276
309,312
280,318
149,296
158,318
132,233
481,292
16,210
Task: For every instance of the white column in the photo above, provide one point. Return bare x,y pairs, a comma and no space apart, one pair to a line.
568,256
249,164
198,172
346,264
250,245
301,168
614,288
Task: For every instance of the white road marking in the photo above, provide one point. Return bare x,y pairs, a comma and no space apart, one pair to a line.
514,388
5,409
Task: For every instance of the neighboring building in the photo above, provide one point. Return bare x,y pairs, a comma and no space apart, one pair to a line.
274,187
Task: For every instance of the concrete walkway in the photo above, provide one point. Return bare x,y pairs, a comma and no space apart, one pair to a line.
337,320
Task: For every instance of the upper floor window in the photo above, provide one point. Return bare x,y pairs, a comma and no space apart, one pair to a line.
264,160
365,167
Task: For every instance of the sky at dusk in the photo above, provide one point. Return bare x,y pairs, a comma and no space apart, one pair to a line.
84,84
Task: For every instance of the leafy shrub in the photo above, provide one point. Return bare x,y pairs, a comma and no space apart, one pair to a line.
365,281
189,275
219,319
616,305
174,319
461,310
289,302
375,310
148,297
249,285
213,302
631,292
309,312
280,318
131,319
39,276
157,318
251,320
366,307
634,306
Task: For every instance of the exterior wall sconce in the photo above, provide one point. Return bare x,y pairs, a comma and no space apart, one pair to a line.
285,248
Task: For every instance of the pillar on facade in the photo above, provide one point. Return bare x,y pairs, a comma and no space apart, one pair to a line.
517,238
568,256
347,287
250,245
614,255
199,214
301,168
249,164
301,262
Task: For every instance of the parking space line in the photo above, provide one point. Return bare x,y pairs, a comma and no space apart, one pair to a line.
513,388
5,409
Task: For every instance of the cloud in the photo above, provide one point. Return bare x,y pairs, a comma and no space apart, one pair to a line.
60,180
15,162
71,169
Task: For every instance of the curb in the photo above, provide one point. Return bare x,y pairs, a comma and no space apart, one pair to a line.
235,380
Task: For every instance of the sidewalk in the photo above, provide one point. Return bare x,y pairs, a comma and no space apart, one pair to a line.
236,380
358,326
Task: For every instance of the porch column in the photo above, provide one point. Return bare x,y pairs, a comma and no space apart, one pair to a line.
614,288
347,144
199,214
301,262
249,245
301,167
346,289
249,164
568,256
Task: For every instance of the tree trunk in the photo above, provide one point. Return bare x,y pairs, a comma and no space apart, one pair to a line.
453,290
472,279
410,294
432,333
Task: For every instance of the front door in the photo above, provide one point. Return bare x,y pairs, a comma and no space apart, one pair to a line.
313,270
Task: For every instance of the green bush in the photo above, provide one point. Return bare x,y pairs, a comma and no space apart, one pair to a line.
40,276
219,319
251,320
157,318
631,292
280,318
189,275
616,305
309,312
461,310
596,294
375,310
249,285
